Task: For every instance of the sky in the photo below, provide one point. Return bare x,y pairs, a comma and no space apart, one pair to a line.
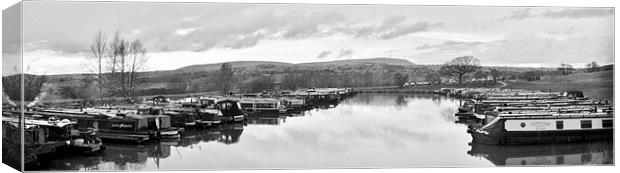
57,35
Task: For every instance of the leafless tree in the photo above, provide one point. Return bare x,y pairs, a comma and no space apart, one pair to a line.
225,78
98,49
137,58
460,66
118,63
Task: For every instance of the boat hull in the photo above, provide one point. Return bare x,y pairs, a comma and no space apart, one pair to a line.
542,137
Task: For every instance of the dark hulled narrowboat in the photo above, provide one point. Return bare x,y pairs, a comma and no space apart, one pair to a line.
231,110
509,129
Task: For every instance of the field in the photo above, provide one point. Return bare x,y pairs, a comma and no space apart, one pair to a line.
596,85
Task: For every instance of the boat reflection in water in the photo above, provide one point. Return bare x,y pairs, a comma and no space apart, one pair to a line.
550,154
116,156
132,157
225,133
270,119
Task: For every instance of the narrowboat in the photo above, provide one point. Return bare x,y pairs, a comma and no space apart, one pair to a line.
262,105
136,128
44,138
231,110
35,146
119,128
294,104
508,129
208,112
325,95
127,124
161,126
65,133
179,116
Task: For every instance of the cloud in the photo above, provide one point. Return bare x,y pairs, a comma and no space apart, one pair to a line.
524,47
185,31
191,27
244,41
518,15
574,13
580,13
345,53
404,30
324,54
390,28
450,45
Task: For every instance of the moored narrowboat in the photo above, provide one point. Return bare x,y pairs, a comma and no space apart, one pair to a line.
231,110
183,116
294,104
208,112
262,105
507,129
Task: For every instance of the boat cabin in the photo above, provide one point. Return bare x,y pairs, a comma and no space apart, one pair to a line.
231,110
262,106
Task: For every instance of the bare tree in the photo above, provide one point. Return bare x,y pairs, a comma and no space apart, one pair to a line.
98,49
460,66
112,65
225,78
137,58
118,63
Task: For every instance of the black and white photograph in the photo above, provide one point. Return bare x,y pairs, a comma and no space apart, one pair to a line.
150,86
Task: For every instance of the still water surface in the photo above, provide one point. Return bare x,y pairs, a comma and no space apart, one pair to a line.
368,130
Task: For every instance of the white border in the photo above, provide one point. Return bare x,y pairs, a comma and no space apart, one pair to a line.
565,169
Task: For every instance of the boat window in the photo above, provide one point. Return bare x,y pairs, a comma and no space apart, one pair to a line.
559,124
608,123
586,124
246,105
225,106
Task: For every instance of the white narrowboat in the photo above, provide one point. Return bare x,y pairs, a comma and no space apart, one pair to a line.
539,128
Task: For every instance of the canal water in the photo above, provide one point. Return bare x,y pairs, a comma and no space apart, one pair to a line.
364,131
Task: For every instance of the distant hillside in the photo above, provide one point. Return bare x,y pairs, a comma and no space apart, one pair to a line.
389,61
501,68
271,64
235,64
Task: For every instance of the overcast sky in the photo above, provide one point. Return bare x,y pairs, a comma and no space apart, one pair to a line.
58,34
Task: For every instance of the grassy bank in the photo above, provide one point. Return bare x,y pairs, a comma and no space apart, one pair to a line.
596,85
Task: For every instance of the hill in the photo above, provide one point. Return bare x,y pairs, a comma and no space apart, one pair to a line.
249,65
235,64
389,61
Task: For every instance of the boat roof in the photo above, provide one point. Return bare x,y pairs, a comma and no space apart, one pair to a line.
31,122
550,115
259,100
